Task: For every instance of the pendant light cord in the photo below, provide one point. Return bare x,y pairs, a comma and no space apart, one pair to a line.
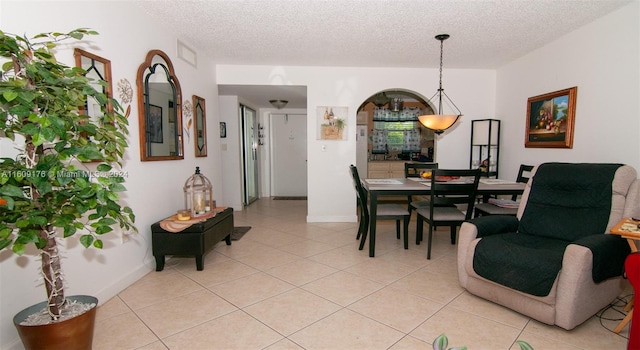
440,89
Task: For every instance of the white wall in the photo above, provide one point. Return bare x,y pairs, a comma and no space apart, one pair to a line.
231,152
330,191
602,59
155,188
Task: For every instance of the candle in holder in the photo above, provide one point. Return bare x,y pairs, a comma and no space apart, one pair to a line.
184,214
198,203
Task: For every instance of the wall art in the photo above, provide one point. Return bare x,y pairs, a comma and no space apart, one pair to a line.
332,122
550,119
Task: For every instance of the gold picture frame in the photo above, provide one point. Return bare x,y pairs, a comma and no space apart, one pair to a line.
551,119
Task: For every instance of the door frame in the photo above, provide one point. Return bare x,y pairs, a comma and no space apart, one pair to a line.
249,154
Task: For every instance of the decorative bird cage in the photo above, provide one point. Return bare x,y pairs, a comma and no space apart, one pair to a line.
198,194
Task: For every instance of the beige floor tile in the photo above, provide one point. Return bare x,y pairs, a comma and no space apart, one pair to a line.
251,289
261,220
481,307
220,273
155,290
383,271
272,238
346,329
411,257
291,311
268,258
299,228
307,247
113,307
169,269
538,341
441,244
124,331
437,287
410,343
396,308
179,314
240,248
589,335
157,345
444,265
236,330
301,272
336,238
463,329
343,288
188,263
373,306
284,344
340,258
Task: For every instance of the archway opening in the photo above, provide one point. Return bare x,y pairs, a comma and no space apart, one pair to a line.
393,131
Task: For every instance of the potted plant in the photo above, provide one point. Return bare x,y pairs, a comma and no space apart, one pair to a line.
50,191
441,343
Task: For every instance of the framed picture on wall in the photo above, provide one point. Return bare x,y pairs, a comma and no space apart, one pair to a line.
223,130
155,124
332,122
551,119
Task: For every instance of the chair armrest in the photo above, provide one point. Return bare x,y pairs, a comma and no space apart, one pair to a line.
609,253
494,224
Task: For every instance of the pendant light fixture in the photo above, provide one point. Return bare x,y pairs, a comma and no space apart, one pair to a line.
441,121
279,104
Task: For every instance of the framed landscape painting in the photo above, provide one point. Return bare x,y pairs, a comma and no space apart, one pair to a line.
550,119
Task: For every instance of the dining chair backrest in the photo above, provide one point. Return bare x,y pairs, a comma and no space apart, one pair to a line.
414,169
524,173
454,187
360,192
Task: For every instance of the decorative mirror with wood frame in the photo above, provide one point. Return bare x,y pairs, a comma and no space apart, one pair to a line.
159,109
200,126
98,69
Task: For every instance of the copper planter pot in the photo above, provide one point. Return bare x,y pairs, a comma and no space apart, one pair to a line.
71,334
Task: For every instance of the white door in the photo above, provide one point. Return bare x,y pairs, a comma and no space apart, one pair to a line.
289,155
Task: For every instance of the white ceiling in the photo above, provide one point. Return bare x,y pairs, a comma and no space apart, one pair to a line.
485,34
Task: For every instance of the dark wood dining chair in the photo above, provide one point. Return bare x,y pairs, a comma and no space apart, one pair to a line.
452,197
387,211
415,170
508,207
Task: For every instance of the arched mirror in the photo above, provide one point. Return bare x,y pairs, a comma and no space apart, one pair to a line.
200,126
159,109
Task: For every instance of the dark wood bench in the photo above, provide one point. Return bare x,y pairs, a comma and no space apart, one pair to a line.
194,240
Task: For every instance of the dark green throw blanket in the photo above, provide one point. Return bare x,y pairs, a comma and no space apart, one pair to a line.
568,203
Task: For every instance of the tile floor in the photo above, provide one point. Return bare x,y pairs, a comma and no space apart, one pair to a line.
288,284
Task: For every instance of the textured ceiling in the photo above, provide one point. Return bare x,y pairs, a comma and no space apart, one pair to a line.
485,34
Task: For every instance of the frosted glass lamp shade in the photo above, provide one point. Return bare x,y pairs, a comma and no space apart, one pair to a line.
279,104
438,122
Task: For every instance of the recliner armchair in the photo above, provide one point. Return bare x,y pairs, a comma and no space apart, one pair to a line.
554,261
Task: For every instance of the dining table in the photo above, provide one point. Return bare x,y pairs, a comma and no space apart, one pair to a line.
377,188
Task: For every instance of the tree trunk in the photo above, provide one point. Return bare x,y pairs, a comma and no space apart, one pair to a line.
50,259
52,272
